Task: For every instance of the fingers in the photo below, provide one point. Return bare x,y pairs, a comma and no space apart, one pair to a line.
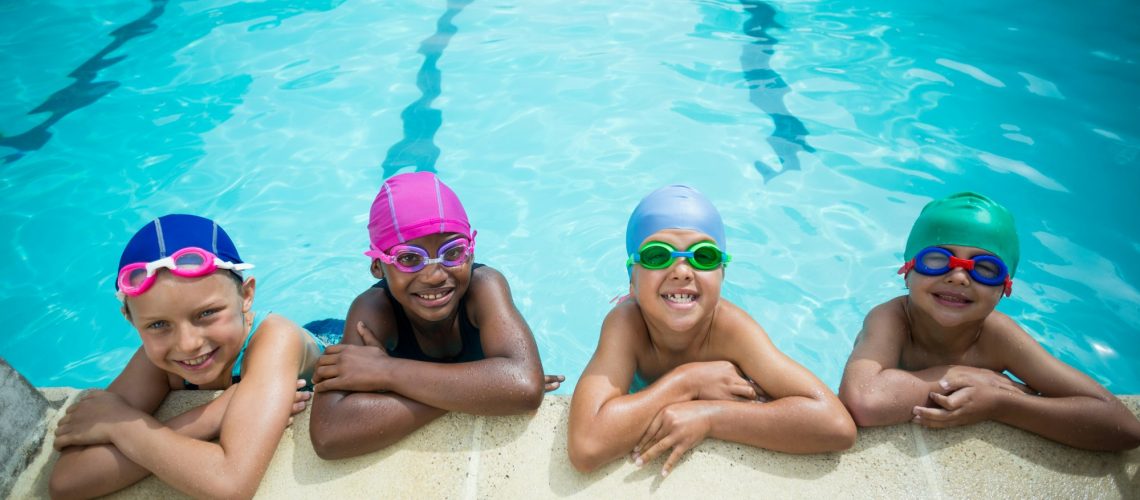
300,401
930,417
553,382
943,401
743,391
674,457
647,438
301,383
366,335
648,455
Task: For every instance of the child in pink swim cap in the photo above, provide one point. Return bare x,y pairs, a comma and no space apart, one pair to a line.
437,333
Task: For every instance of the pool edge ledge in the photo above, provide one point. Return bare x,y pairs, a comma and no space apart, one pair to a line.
469,456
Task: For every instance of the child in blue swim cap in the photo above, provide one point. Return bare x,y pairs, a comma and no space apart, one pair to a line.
181,285
707,363
941,356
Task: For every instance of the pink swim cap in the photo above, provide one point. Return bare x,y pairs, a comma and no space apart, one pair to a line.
410,206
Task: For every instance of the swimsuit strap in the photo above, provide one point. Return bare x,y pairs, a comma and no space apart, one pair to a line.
235,372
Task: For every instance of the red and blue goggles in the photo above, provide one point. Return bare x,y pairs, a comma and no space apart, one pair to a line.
985,269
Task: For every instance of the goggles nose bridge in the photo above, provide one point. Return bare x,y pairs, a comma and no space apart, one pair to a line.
967,264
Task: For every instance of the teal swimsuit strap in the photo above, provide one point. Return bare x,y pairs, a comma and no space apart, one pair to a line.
235,372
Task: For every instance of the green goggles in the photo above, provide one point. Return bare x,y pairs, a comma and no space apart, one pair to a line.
703,256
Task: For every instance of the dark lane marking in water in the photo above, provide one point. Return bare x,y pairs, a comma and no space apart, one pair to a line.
766,90
421,121
85,91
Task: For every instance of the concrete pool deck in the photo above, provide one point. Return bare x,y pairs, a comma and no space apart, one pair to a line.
465,456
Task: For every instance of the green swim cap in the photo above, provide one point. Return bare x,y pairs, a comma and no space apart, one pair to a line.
966,219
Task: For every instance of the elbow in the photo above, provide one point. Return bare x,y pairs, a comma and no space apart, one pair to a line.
864,410
328,446
584,458
325,443
840,431
532,396
63,486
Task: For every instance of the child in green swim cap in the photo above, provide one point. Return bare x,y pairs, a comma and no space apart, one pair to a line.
941,356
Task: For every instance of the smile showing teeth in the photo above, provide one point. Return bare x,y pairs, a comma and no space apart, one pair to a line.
196,361
679,298
432,296
952,298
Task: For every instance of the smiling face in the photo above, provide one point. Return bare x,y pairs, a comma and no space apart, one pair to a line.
192,327
432,293
954,298
678,298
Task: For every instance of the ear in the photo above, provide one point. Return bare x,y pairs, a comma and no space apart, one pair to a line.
377,269
248,287
125,312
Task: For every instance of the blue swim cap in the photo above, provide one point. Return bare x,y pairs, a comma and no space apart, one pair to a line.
673,207
171,233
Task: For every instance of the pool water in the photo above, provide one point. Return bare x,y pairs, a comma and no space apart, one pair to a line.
818,128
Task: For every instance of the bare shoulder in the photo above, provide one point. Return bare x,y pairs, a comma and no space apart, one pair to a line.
1001,336
886,320
488,280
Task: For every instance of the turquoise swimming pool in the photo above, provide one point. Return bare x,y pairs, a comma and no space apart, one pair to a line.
819,128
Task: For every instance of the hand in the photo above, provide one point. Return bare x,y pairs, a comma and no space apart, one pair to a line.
347,367
554,381
718,380
963,376
970,396
300,400
92,419
679,426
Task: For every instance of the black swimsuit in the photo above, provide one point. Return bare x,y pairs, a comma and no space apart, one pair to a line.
408,348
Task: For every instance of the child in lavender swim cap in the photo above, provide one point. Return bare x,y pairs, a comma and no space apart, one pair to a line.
437,333
707,364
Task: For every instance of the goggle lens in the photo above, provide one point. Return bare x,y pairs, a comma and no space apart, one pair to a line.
936,261
703,256
135,277
411,258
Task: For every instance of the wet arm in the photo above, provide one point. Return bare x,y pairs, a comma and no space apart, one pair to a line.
251,429
1071,408
874,389
605,421
347,424
91,471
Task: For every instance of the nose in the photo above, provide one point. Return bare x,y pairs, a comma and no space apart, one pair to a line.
957,276
434,273
681,270
189,339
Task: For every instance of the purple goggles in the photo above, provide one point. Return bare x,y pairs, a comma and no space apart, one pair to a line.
411,258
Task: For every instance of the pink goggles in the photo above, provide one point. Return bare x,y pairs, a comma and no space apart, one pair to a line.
189,262
411,258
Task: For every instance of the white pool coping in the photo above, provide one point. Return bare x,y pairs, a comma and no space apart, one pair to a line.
466,456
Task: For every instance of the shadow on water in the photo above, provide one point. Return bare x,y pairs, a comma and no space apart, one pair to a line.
421,121
766,89
85,90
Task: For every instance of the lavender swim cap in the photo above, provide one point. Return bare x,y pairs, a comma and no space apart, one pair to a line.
673,207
